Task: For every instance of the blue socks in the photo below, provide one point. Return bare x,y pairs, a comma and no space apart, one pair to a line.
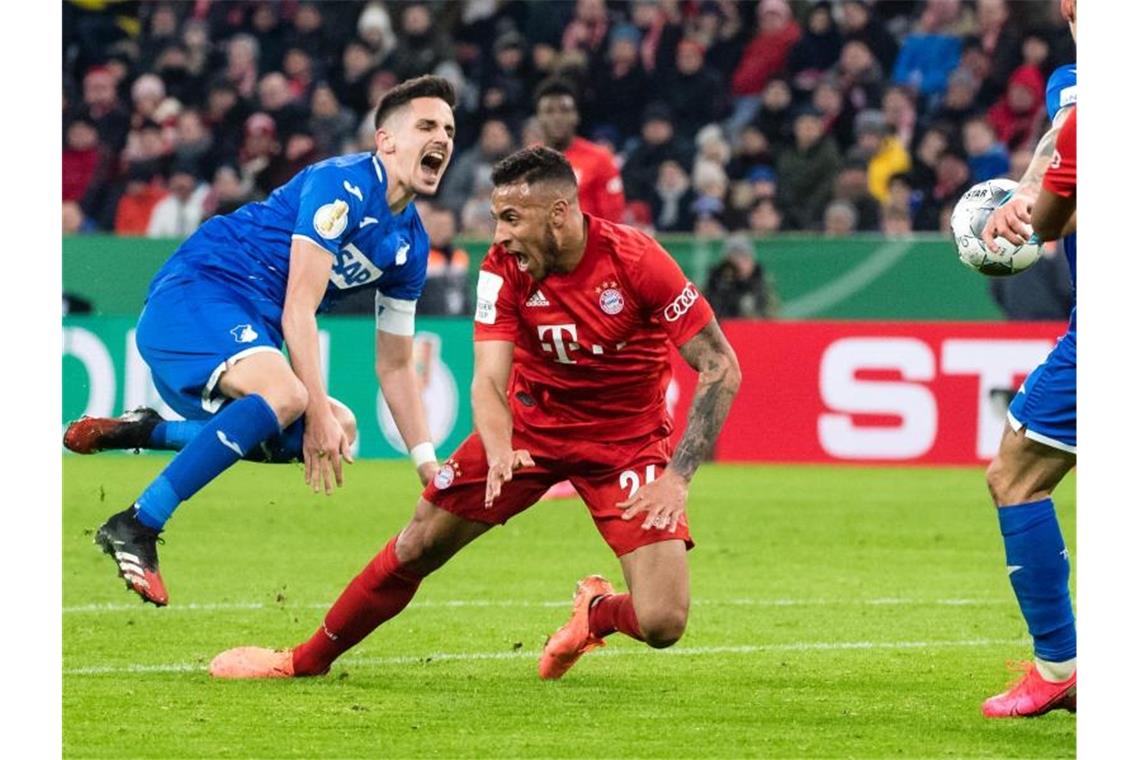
174,435
1038,565
239,427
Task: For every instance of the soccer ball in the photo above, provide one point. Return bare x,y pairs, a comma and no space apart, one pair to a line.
969,219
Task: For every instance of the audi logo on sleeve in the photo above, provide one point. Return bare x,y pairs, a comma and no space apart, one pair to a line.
682,303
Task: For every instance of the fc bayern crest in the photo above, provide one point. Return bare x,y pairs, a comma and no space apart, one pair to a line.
445,476
611,301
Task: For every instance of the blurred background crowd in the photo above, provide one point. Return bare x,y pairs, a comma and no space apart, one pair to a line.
719,117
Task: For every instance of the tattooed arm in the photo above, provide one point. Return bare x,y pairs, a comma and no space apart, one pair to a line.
709,353
1011,220
663,500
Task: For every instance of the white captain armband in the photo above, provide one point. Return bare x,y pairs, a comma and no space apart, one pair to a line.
395,315
422,453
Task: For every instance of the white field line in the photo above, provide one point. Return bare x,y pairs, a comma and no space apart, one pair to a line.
812,646
509,603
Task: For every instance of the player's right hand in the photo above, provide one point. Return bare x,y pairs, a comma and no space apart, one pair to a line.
500,469
1009,221
324,445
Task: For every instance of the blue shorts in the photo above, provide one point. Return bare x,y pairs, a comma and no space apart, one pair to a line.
1046,405
193,330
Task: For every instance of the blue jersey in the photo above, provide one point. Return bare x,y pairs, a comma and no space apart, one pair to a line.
339,205
1061,89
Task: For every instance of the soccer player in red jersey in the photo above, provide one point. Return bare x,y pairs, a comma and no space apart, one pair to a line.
600,191
573,319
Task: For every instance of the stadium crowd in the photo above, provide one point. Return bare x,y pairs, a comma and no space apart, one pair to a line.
834,116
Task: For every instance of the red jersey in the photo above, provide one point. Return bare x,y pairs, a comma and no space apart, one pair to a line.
600,192
1061,176
591,346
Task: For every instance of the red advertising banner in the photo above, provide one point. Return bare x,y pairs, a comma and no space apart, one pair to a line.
872,392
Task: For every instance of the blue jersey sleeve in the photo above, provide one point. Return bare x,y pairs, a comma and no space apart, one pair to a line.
407,282
1061,90
330,209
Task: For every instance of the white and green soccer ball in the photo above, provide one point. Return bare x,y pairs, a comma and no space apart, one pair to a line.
969,219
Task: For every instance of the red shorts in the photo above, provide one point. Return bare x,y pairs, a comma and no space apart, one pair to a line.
603,474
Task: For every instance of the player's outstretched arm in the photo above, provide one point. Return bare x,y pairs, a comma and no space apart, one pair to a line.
325,441
1054,216
663,500
396,372
493,359
1010,220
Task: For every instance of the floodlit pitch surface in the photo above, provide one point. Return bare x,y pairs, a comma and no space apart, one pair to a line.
837,612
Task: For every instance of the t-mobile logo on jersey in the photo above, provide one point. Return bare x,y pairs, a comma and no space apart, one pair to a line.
560,346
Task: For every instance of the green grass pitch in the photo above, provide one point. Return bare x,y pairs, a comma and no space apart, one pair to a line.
837,612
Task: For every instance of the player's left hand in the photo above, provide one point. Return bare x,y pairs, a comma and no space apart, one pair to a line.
662,501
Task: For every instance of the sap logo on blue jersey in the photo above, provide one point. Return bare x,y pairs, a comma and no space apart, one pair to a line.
352,268
244,334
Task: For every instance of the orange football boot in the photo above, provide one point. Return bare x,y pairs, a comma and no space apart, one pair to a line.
253,662
574,639
1032,695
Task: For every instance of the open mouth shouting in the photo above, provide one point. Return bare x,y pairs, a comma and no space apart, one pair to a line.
431,164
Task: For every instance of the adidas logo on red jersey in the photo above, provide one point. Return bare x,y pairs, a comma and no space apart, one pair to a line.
538,299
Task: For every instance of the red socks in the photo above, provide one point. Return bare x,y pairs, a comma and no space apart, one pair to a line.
614,612
379,593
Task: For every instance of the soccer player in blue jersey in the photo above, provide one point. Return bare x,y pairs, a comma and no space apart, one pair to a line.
1039,444
220,309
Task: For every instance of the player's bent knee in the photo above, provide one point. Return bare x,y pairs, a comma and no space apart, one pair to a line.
663,629
289,401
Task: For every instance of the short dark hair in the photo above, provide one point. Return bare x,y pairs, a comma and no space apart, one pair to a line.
427,86
555,86
532,165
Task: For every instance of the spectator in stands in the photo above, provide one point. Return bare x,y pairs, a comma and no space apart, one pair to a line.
876,144
622,85
960,101
225,116
711,186
600,191
495,142
588,29
901,195
258,149
298,70
144,190
276,100
376,31
265,25
901,114
1016,117
721,32
1042,292
161,30
183,209
897,223
228,192
859,23
774,117
102,107
851,186
986,156
146,144
173,66
838,121
762,182
475,219
505,95
816,51
952,178
349,80
977,63
806,172
1019,162
201,56
193,144
763,58
751,151
924,171
694,91
445,290
840,219
242,56
420,46
330,123
83,157
147,93
658,144
860,79
673,199
736,286
765,218
75,222
308,32
998,41
931,51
